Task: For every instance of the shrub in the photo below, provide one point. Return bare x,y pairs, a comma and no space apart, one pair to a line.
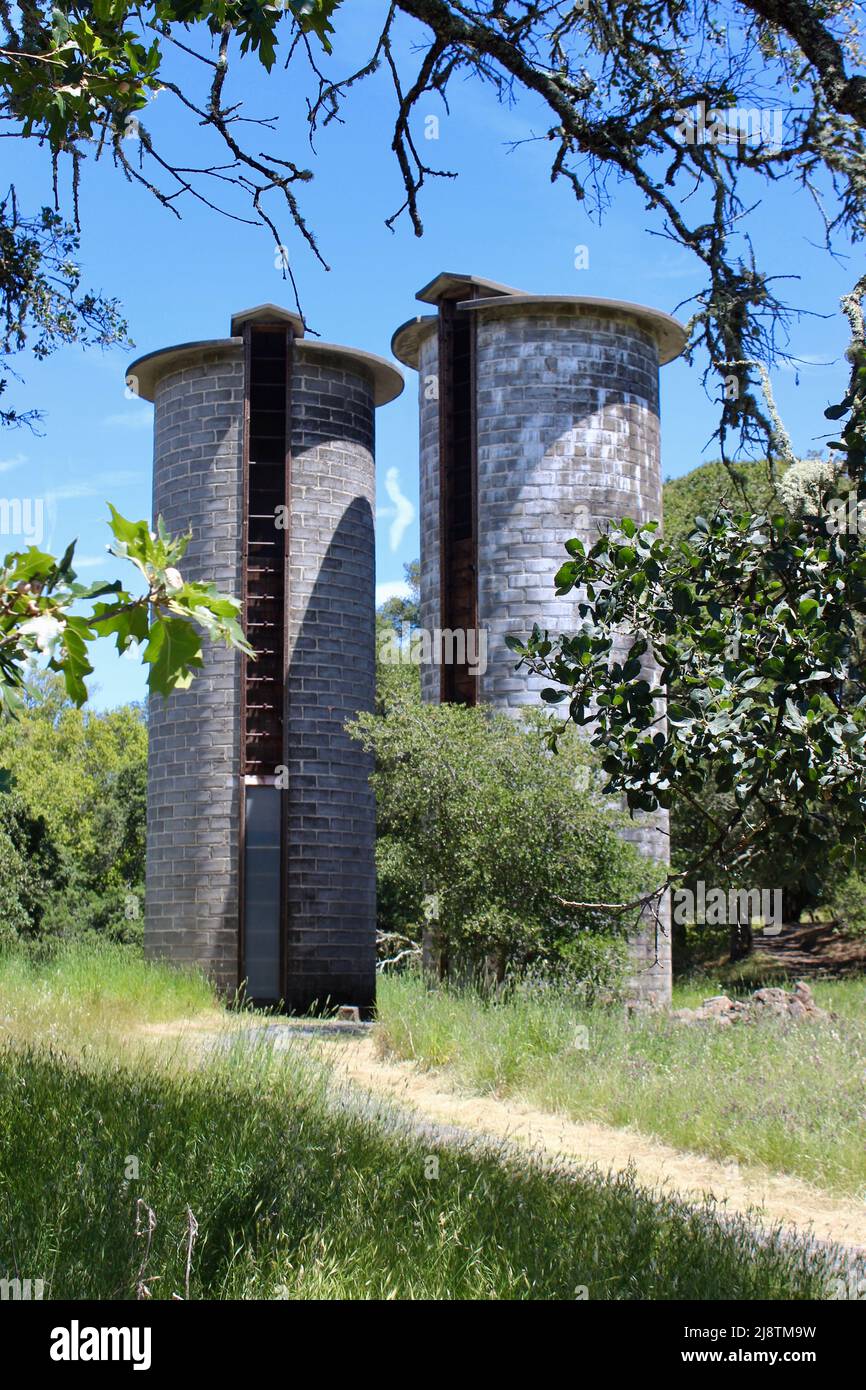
72,840
15,918
478,817
745,484
29,863
79,913
806,485
849,903
748,486
399,891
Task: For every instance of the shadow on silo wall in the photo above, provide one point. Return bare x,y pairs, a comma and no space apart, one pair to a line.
331,946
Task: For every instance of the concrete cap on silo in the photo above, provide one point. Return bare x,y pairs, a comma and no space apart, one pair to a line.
474,293
448,285
406,342
146,371
270,314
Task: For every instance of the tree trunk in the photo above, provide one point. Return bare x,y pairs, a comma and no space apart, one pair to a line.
742,941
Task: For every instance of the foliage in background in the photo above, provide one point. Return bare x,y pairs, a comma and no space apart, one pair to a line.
404,608
745,486
848,903
776,861
30,869
483,833
82,771
397,681
72,829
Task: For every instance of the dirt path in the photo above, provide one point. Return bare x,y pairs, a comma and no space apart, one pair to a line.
771,1198
777,1197
813,952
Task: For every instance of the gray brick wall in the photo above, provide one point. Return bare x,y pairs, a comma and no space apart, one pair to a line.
194,736
191,910
568,436
332,676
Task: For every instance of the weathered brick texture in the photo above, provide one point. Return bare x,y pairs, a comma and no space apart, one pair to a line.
568,439
332,676
192,908
191,912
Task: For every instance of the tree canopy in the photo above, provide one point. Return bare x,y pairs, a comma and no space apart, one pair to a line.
72,820
699,104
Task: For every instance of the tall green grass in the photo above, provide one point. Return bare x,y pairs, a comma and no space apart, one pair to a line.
83,992
245,1178
789,1097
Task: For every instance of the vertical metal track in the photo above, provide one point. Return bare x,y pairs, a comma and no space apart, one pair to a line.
458,489
242,703
285,921
268,355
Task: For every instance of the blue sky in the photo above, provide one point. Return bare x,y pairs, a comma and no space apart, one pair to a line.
501,218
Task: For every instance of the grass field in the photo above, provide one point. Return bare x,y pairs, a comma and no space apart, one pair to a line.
790,1098
92,994
240,1173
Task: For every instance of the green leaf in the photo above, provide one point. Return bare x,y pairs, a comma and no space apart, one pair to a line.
682,599
73,662
130,532
173,652
565,576
132,624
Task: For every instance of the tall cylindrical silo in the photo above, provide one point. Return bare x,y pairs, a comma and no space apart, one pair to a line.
260,818
539,421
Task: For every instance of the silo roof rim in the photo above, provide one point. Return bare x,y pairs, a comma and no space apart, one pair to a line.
413,330
669,332
148,368
388,380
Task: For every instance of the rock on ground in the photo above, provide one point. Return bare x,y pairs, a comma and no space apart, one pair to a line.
764,1003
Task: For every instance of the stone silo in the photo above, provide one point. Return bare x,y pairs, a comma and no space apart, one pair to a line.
260,821
539,421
